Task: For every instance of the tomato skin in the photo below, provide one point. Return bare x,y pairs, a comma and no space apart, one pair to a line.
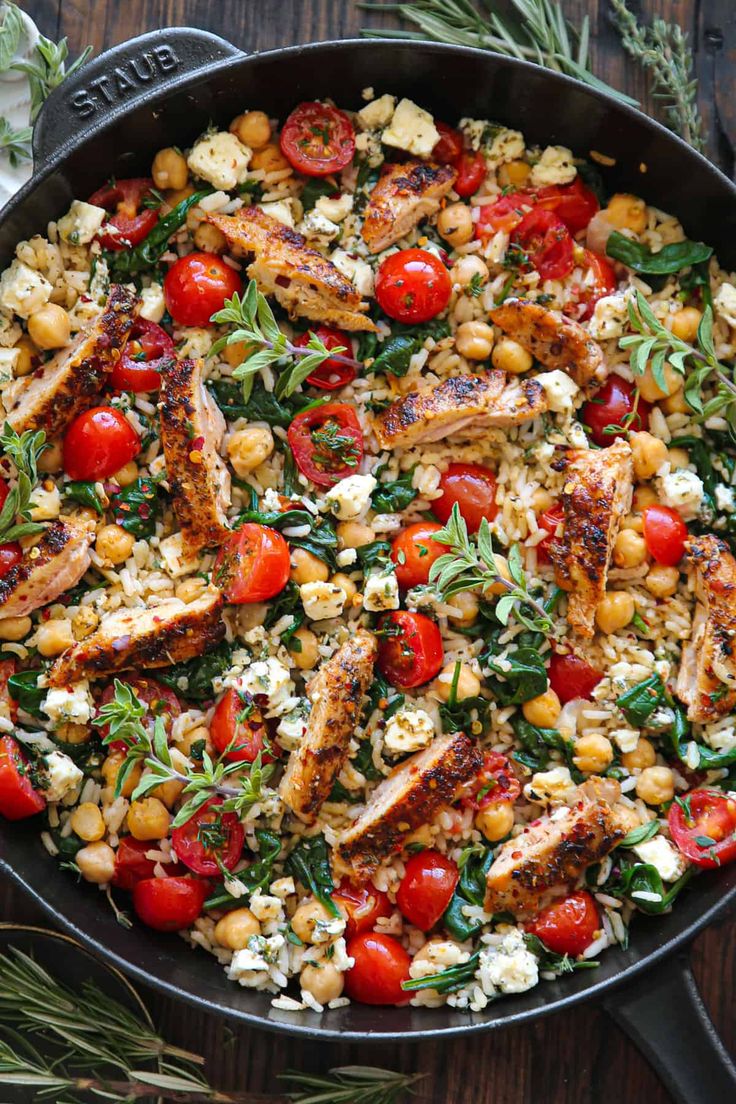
252,564
413,286
131,222
18,798
413,653
505,214
131,864
11,554
318,139
473,488
427,888
381,964
194,853
571,677
665,534
413,551
250,734
169,904
496,778
547,242
196,287
362,905
331,374
449,147
568,926
147,340
98,443
317,462
548,520
613,403
471,172
604,282
713,816
574,203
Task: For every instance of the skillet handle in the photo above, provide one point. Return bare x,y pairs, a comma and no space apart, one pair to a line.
664,1015
109,84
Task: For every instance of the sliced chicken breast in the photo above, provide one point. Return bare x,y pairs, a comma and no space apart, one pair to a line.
55,564
410,796
304,282
595,497
336,693
462,406
70,382
405,194
192,428
143,638
554,340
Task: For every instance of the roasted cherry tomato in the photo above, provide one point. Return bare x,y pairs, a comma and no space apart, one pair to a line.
332,373
11,554
471,172
410,649
196,287
169,904
568,926
131,864
98,443
703,825
413,286
505,214
238,729
362,905
252,564
8,667
18,798
574,203
131,221
615,409
545,239
161,701
494,782
318,139
549,521
381,964
327,443
4,492
209,840
427,888
448,148
139,367
571,677
599,280
473,488
665,534
414,552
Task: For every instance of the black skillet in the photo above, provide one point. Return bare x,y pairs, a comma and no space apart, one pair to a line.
164,88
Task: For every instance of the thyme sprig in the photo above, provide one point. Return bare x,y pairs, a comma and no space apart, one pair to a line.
24,452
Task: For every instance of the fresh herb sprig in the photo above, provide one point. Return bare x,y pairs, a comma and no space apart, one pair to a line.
446,981
24,451
48,69
16,143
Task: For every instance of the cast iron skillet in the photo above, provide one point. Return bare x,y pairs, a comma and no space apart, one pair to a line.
164,88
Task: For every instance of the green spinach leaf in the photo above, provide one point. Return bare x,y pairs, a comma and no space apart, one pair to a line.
84,493
315,188
638,703
537,742
136,507
475,862
396,352
671,258
193,678
23,688
525,677
131,262
309,863
254,877
395,495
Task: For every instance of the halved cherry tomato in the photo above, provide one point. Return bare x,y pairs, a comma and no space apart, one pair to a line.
18,798
332,373
11,554
238,721
616,409
318,139
494,782
471,172
703,825
362,905
4,492
131,864
600,280
98,443
139,367
413,286
414,552
473,488
8,667
196,287
568,926
571,677
252,564
545,239
381,964
574,203
209,839
665,534
169,904
505,214
549,521
131,221
427,888
448,148
327,443
410,650
161,701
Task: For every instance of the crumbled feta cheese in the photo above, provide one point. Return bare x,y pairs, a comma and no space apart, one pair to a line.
507,967
408,730
507,145
666,859
551,787
283,887
725,500
68,705
721,736
63,775
411,129
196,342
269,677
281,210
322,600
8,363
681,490
335,208
358,271
81,222
291,729
610,315
724,302
555,166
264,907
625,739
45,505
559,389
326,930
378,113
176,560
319,229
153,305
347,557
23,290
221,159
351,497
256,964
381,592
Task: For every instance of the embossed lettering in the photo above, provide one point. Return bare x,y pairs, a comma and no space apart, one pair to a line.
124,80
166,58
123,83
83,103
143,74
99,84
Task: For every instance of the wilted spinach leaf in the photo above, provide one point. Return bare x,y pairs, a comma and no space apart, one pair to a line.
638,703
199,673
255,876
397,351
309,863
395,495
525,677
475,862
671,258
23,688
84,493
136,507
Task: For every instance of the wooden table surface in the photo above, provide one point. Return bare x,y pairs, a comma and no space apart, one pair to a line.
579,1056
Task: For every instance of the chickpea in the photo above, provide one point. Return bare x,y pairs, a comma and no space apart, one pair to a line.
633,521
684,323
593,753
468,683
87,822
648,452
513,172
236,353
464,270
675,404
306,568
650,390
615,611
178,194
71,733
114,544
269,159
15,628
304,648
510,356
49,327
502,565
541,500
110,769
455,224
127,474
191,589
678,457
54,637
467,604
96,862
662,581
236,928
169,169
148,819
643,497
354,534
655,785
209,238
641,757
323,981
345,583
28,359
306,918
252,129
542,710
496,820
627,212
249,448
630,549
474,340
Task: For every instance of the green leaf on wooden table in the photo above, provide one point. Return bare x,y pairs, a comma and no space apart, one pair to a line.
669,259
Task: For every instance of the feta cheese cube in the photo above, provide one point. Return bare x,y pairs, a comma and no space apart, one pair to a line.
335,208
351,497
724,302
281,210
559,389
68,704
408,730
551,787
381,592
319,229
291,729
625,739
666,859
359,272
221,159
264,907
725,500
63,776
411,129
347,557
153,305
507,145
610,315
681,490
81,222
555,166
45,505
270,678
8,363
23,290
176,561
507,967
378,113
322,600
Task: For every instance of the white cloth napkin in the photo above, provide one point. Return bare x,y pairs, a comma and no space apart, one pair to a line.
15,106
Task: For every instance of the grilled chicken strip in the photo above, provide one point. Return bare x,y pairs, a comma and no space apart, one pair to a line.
408,798
70,382
300,279
54,565
552,339
336,693
707,679
462,406
405,194
143,638
192,428
595,497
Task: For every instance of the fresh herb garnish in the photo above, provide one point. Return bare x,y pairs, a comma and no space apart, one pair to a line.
24,452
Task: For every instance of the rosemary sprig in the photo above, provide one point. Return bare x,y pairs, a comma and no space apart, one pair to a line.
24,451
